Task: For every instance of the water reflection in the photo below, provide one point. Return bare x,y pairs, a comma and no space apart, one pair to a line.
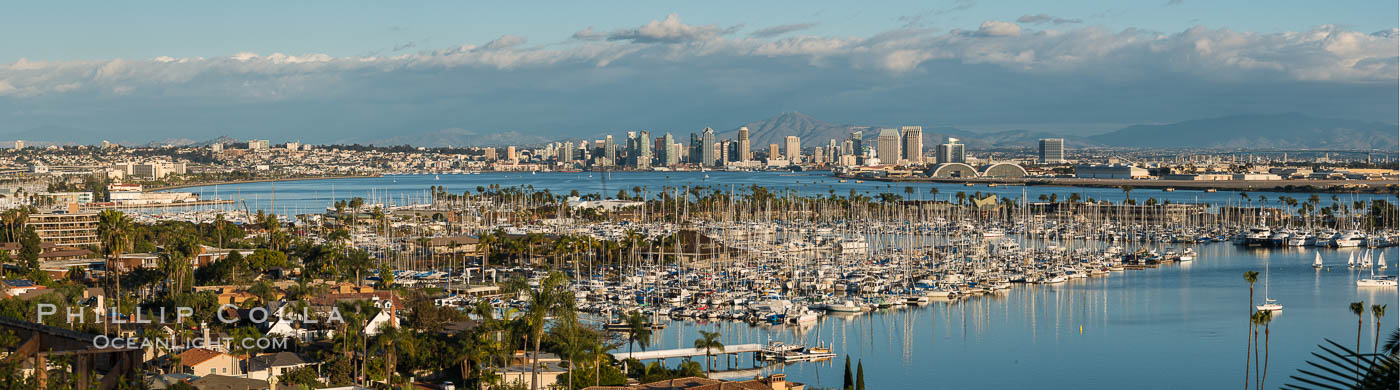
1177,326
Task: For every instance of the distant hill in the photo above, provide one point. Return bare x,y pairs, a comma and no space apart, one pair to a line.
455,137
776,129
1292,130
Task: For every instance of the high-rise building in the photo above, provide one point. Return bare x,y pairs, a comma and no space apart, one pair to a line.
707,148
773,152
609,151
743,145
887,146
817,156
639,149
726,152
913,144
794,148
695,152
510,154
1052,150
858,142
671,153
951,152
19,144
258,144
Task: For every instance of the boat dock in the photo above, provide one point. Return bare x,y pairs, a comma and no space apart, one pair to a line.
689,352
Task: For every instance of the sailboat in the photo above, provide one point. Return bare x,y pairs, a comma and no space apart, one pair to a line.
1366,259
1269,303
1382,280
1381,263
1317,260
1351,260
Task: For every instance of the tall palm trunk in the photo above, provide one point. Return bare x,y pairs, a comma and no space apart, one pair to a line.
535,367
1265,374
1248,345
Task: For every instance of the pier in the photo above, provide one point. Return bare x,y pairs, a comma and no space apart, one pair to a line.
689,352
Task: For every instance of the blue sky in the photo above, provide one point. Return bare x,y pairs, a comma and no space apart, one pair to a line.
103,29
347,71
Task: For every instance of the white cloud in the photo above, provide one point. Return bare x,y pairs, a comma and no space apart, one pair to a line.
667,57
669,30
505,41
995,28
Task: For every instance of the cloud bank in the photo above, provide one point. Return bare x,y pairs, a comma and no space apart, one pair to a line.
668,74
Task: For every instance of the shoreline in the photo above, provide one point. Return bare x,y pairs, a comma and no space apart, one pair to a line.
191,185
1318,186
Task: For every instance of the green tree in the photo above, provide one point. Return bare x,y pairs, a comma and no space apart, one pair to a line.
1251,277
638,331
552,298
1377,311
710,341
1358,308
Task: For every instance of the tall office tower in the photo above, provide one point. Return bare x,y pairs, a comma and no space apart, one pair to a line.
846,146
857,142
817,156
566,152
668,145
913,144
609,151
743,144
695,152
707,150
794,148
1052,151
644,151
951,152
510,154
887,146
773,152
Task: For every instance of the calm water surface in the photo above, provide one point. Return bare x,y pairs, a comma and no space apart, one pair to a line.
1174,327
312,196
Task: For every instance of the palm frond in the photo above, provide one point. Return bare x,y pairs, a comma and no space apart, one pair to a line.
1338,367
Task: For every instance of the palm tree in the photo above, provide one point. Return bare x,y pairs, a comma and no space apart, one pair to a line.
638,331
1127,193
1263,317
1377,311
708,341
1251,277
115,231
551,299
1358,308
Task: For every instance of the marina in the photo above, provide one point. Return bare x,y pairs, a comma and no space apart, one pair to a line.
914,284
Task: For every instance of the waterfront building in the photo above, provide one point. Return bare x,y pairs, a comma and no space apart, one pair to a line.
707,147
951,152
694,150
609,151
794,148
743,144
773,152
1114,171
1052,150
887,146
669,155
913,144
